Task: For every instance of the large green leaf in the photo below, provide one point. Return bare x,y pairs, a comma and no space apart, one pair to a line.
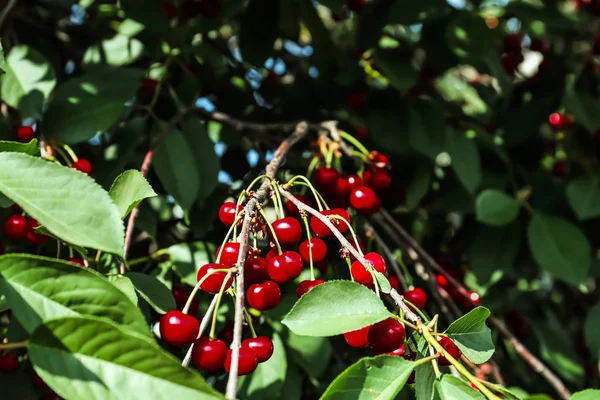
334,308
426,128
258,31
30,148
465,159
150,15
39,289
268,379
472,336
584,197
559,247
128,190
117,51
153,291
311,353
85,106
175,166
424,377
68,203
588,394
494,207
28,81
591,329
87,358
468,35
453,388
379,377
419,185
584,108
397,68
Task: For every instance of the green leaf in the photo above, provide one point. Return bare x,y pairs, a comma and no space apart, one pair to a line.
584,108
187,258
128,190
28,81
175,165
153,291
584,198
85,106
370,378
465,160
424,378
258,31
494,207
426,128
468,35
453,388
124,284
39,289
387,126
335,308
588,394
268,379
472,336
591,329
150,15
86,358
68,203
559,247
419,185
30,148
117,51
383,282
312,354
397,69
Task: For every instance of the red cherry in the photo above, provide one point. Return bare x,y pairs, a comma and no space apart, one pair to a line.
150,85
33,236
363,199
9,363
25,134
378,159
512,43
398,352
386,335
361,274
355,100
539,44
342,188
305,286
228,214
247,361
285,267
271,254
325,178
394,282
451,348
226,333
358,338
16,227
322,230
559,120
213,283
38,382
181,295
52,396
473,300
412,356
76,260
256,270
510,63
416,296
262,346
264,296
291,207
178,329
379,179
209,354
83,165
354,181
288,231
560,168
230,253
318,248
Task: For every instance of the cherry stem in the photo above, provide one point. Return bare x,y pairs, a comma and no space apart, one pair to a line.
264,215
360,155
416,309
188,303
249,320
203,325
278,198
427,359
310,186
434,363
229,232
407,275
310,256
216,312
243,194
311,167
339,217
375,283
349,268
64,156
71,153
405,322
329,156
15,345
348,137
325,205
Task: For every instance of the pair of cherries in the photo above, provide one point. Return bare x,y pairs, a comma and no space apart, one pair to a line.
18,227
210,355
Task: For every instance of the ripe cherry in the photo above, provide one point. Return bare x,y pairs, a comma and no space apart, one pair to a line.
256,270
559,120
412,356
178,329
361,274
291,207
342,188
539,44
325,178
472,301
25,134
264,296
247,361
8,363
512,43
16,227
560,168
394,282
228,214
318,248
230,253
363,199
38,382
354,181
378,159
322,230
181,295
149,86
305,286
285,267
510,63
379,179
416,296
213,283
82,165
451,348
398,352
262,346
209,354
288,231
271,254
358,338
33,236
355,100
76,260
386,335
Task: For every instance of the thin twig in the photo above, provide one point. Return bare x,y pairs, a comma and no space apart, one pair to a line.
537,365
203,325
388,253
300,130
6,10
